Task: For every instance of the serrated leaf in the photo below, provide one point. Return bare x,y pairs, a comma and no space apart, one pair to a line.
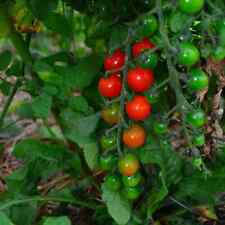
91,154
118,207
78,103
5,59
63,220
41,106
4,219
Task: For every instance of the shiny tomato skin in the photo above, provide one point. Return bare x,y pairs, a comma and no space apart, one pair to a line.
134,136
139,79
138,108
141,46
114,61
128,165
111,86
188,54
198,80
132,181
112,182
191,6
132,193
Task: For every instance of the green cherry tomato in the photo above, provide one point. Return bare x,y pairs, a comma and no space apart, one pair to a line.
148,60
132,193
149,25
199,140
112,182
177,20
108,162
159,127
219,53
196,119
198,80
191,6
132,181
153,97
188,54
107,142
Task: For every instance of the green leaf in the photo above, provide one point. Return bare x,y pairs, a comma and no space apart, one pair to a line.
78,103
58,23
5,59
63,220
4,219
24,213
118,207
78,127
156,196
41,10
118,37
91,154
47,73
5,87
41,106
81,75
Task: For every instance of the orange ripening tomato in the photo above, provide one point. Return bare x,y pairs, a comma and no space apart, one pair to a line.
134,136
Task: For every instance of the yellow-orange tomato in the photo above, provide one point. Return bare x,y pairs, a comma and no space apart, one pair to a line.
128,165
134,137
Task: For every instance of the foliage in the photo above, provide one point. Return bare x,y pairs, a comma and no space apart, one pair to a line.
56,51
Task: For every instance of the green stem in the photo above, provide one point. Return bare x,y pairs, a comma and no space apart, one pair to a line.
122,97
8,102
47,199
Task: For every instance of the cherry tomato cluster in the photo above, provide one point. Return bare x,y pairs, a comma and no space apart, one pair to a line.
138,80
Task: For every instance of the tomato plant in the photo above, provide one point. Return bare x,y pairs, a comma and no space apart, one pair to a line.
134,137
112,112
198,80
191,6
113,182
108,142
139,79
128,165
196,118
110,87
188,55
138,108
114,61
132,181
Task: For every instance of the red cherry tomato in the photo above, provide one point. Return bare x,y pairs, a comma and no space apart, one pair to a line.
111,86
138,108
114,61
139,79
140,46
